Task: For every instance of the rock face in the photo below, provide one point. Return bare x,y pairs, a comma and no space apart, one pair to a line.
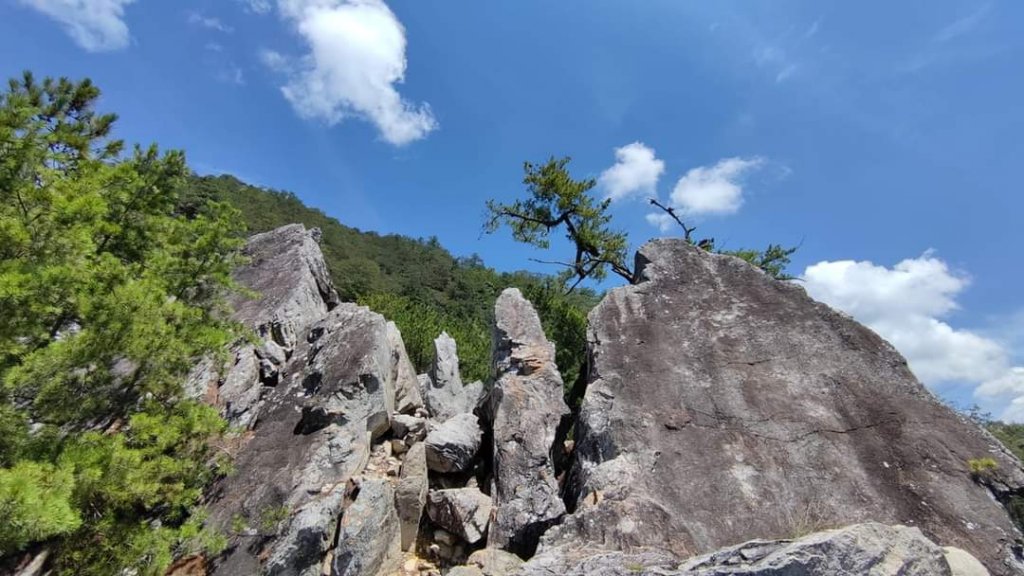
724,406
864,549
526,407
333,377
287,270
868,549
368,537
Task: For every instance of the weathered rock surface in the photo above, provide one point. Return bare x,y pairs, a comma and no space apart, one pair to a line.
461,511
442,390
368,535
452,445
963,564
287,271
865,549
407,387
724,406
403,425
293,290
526,407
411,493
334,376
495,562
349,372
868,549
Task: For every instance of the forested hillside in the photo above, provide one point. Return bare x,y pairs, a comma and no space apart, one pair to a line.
415,282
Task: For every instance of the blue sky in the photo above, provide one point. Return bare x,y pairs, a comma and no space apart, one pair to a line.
884,138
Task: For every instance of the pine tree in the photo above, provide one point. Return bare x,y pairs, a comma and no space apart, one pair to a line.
110,291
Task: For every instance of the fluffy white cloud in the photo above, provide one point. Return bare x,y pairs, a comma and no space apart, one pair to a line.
714,189
356,57
906,305
636,171
95,25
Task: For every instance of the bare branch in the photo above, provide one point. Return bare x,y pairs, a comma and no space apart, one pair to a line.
687,232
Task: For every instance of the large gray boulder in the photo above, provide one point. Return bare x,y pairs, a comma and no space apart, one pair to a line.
452,446
868,549
461,511
724,405
526,407
368,534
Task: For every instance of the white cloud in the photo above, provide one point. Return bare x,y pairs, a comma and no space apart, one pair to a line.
662,221
906,305
636,171
260,7
356,57
95,25
197,19
717,189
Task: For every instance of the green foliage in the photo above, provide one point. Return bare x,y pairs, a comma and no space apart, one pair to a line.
555,199
772,261
111,282
35,503
421,323
1011,435
416,283
982,467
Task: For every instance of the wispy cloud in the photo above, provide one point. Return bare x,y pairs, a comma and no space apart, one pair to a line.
209,22
95,25
774,60
223,65
256,6
963,26
356,59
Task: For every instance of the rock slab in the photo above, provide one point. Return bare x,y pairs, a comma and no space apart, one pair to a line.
868,549
724,405
411,493
369,541
452,446
526,407
462,511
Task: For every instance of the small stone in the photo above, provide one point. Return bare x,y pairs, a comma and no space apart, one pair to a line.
399,446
